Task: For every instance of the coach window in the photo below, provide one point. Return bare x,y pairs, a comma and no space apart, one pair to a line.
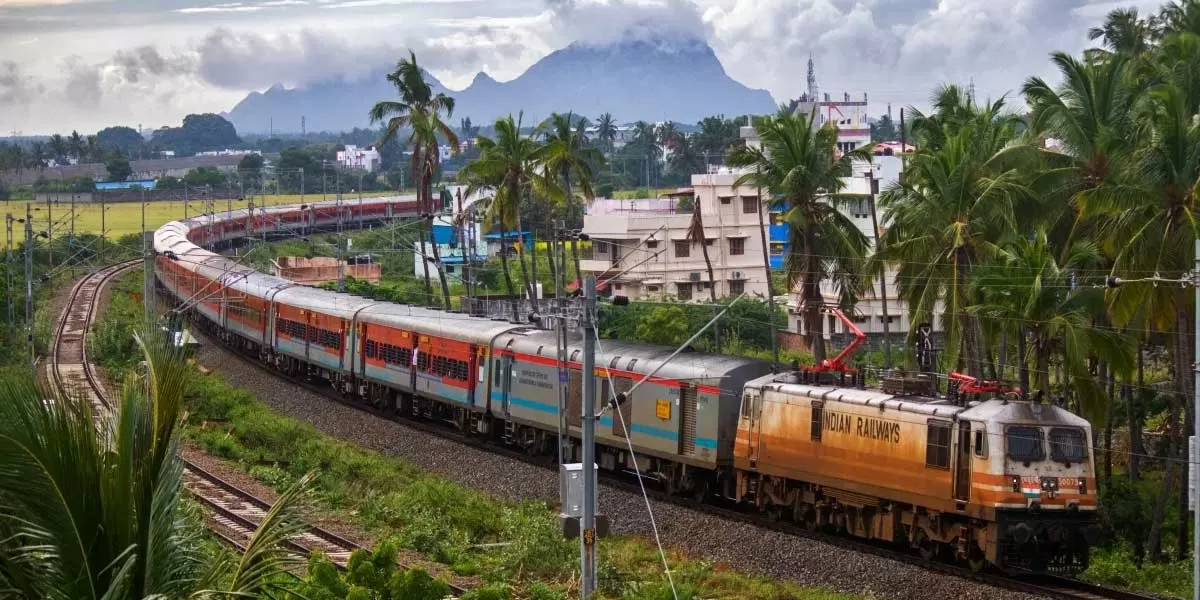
937,445
818,422
746,406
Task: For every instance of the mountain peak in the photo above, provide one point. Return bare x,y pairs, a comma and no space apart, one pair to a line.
652,78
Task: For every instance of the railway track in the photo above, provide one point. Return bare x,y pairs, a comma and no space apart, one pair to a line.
234,514
1048,586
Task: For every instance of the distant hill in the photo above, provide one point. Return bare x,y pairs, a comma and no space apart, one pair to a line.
680,80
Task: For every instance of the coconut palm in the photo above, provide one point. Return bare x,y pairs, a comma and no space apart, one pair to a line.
606,132
1026,283
508,165
418,109
57,146
668,134
798,165
685,158
95,512
1125,33
75,145
568,158
958,198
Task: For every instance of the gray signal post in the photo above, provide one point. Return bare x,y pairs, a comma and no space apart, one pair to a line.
587,538
29,281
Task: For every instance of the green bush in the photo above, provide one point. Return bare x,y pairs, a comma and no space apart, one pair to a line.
1115,567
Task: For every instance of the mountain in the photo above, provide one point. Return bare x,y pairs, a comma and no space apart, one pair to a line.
679,80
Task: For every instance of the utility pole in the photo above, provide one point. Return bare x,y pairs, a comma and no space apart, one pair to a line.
1196,421
560,332
29,281
8,273
587,539
49,233
146,293
341,286
887,341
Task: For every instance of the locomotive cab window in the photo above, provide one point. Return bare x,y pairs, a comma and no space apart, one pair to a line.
1025,444
981,443
1067,445
937,445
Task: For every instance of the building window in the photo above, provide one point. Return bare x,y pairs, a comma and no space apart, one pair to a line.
776,247
651,244
708,242
726,199
449,270
749,204
777,218
617,287
737,286
683,248
683,291
704,285
601,247
652,288
737,246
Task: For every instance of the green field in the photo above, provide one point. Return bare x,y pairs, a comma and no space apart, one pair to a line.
126,217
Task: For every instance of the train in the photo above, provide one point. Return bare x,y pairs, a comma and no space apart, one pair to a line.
990,480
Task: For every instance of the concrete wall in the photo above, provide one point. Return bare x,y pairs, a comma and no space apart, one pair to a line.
315,271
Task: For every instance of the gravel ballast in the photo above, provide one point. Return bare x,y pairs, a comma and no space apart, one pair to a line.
741,545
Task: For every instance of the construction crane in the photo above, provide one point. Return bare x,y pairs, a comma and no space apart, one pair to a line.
822,371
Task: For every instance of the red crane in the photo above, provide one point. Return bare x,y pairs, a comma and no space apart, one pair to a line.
838,364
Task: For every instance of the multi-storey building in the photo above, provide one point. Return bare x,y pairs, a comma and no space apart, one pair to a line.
641,248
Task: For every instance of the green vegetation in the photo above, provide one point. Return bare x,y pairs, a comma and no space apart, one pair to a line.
123,531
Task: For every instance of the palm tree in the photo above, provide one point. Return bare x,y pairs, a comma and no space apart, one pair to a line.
715,137
58,149
121,530
606,132
75,145
1027,284
668,135
508,165
960,195
566,156
419,109
800,168
37,156
696,235
685,159
1124,33
92,150
644,145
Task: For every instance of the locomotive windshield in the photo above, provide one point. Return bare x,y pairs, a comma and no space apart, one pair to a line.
1066,445
1025,444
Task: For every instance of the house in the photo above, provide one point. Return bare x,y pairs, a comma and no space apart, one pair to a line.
641,247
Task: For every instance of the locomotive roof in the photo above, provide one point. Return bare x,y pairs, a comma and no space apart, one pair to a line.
1023,412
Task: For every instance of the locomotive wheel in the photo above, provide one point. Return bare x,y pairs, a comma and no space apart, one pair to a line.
926,548
701,490
976,561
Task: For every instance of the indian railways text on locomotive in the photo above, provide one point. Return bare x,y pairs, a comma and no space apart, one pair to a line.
875,429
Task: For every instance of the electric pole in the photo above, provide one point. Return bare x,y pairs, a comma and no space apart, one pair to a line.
146,292
29,281
560,332
587,539
8,273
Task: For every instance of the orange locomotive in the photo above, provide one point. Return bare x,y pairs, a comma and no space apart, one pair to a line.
1002,482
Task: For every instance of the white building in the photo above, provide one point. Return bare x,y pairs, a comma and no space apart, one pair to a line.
453,239
640,247
353,157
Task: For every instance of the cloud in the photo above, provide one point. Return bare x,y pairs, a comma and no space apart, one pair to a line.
16,88
222,8
601,22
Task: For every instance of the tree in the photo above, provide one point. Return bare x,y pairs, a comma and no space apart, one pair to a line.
715,137
798,165
198,133
118,167
957,199
121,532
685,159
884,130
250,169
125,139
696,235
75,146
664,325
567,156
419,108
58,149
606,132
507,165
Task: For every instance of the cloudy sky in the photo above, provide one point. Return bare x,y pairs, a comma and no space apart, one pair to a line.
86,64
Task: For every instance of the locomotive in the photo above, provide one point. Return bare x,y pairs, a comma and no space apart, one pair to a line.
991,482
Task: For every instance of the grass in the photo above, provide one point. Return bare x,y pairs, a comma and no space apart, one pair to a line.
123,218
1114,567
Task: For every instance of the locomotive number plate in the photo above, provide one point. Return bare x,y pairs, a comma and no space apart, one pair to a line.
662,409
1067,483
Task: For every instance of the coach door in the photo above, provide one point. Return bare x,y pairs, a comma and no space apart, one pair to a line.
505,374
962,469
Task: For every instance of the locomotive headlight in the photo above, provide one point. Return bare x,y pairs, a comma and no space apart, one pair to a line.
1016,483
1082,485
